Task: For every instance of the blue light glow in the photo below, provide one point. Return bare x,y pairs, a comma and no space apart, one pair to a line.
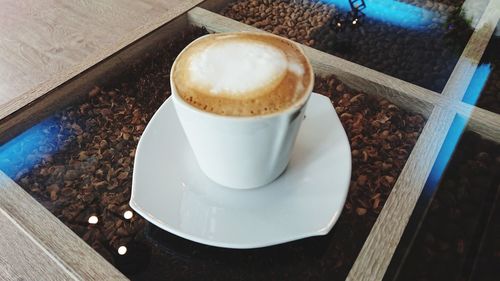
477,83
23,152
476,86
447,149
393,12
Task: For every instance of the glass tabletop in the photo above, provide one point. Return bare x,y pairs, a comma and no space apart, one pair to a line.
78,163
453,234
446,245
484,89
416,41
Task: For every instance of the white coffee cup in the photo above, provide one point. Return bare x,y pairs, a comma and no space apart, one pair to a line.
241,152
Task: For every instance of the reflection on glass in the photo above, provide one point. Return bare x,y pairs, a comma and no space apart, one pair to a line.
122,250
473,9
23,152
93,220
444,156
394,12
446,242
128,215
477,83
484,90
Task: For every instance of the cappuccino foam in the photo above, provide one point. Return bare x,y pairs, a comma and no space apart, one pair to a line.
242,74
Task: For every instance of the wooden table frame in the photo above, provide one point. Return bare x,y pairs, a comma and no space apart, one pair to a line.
440,109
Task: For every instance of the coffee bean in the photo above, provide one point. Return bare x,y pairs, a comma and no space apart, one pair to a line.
92,173
381,136
295,20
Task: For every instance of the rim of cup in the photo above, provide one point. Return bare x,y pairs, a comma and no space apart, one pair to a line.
294,107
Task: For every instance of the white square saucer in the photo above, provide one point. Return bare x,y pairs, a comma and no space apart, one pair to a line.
170,190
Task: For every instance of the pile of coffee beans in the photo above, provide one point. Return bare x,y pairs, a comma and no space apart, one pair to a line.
87,183
423,55
381,135
444,247
297,20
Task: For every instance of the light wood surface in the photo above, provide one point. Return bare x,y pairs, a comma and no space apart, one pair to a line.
45,43
78,87
64,247
17,247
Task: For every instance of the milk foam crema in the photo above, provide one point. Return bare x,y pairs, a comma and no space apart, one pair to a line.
242,74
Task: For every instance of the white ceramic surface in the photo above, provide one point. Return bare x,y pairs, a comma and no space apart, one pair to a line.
241,152
170,190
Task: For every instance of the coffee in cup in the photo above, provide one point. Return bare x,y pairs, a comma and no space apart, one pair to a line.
242,74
